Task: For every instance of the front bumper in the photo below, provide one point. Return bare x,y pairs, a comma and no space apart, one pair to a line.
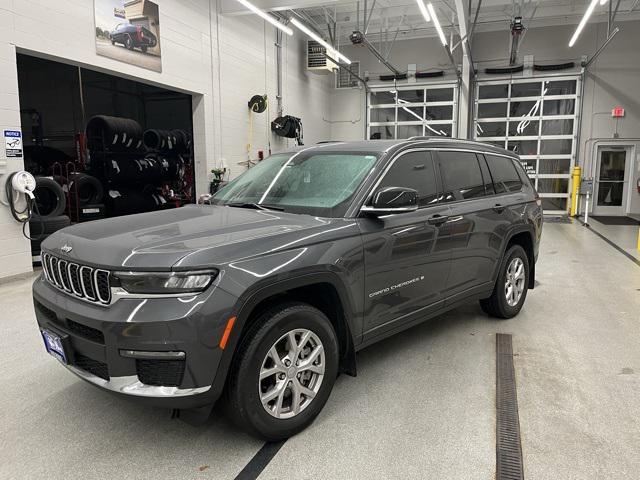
96,335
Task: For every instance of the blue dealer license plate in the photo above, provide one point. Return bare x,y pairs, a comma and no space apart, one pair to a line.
54,346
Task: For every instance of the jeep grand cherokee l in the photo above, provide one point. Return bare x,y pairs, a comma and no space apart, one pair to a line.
306,258
133,36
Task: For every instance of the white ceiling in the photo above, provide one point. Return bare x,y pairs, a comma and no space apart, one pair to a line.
402,17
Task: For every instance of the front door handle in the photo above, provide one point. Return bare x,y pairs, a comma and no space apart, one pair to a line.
499,208
437,219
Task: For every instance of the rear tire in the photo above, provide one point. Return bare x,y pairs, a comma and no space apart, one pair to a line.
304,390
510,290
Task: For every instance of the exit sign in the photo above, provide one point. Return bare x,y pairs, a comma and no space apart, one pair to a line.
617,112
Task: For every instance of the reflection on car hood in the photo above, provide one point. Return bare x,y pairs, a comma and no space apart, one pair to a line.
188,237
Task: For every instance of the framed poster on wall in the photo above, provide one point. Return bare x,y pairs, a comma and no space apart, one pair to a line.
129,31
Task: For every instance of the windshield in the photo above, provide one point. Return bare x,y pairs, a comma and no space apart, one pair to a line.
320,184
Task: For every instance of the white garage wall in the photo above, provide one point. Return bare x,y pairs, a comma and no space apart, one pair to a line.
223,61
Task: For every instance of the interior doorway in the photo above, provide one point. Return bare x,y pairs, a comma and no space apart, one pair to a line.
613,169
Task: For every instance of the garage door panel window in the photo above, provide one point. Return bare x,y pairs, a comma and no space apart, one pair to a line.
523,147
556,147
559,107
439,95
554,166
411,96
492,110
438,112
493,91
382,98
382,115
414,170
410,114
524,128
384,132
533,89
557,127
461,176
561,87
408,131
553,185
524,109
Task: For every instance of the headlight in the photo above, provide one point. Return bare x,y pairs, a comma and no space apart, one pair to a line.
164,282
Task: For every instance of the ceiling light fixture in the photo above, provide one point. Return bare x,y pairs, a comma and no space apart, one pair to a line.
303,28
424,12
583,22
434,17
269,18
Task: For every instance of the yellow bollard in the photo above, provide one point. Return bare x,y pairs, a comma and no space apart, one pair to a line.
575,188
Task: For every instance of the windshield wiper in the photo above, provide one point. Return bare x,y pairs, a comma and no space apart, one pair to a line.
256,206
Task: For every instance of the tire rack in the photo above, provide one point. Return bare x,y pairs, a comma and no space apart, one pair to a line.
103,155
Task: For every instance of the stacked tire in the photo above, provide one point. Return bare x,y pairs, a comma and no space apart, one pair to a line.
49,214
114,134
86,197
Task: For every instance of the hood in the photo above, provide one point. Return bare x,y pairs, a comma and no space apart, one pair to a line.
193,236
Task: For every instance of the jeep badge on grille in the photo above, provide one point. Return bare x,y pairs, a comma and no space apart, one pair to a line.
66,248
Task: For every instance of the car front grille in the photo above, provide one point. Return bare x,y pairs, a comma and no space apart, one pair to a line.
85,282
163,373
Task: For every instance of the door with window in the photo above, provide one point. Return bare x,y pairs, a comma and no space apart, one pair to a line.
612,180
406,256
475,224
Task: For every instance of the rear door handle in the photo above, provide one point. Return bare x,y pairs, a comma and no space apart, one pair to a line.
499,208
437,219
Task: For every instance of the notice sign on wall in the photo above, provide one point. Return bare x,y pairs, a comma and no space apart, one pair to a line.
13,143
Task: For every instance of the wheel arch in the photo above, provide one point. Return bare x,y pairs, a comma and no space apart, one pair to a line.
524,237
324,291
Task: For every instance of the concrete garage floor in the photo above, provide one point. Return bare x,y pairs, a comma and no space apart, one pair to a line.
422,406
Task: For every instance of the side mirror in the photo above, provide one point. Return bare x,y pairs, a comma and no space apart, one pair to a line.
390,200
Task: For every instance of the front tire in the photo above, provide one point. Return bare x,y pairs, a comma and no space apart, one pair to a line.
511,287
128,42
283,371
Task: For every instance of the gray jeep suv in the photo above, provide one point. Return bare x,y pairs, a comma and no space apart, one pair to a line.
268,293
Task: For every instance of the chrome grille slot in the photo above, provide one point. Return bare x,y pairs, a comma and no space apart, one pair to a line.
74,277
88,283
86,280
64,275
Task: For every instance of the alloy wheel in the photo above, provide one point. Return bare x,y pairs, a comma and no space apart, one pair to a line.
291,373
514,281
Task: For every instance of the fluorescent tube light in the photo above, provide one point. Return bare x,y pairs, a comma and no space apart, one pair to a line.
424,12
303,28
432,13
269,18
583,22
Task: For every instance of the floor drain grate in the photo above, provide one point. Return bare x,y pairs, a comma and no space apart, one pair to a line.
508,447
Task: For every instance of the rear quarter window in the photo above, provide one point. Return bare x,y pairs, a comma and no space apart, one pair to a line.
505,176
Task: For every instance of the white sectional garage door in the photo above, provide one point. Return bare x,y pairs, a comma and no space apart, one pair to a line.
412,110
537,118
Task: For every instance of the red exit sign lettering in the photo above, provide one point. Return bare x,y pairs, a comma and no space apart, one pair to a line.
617,112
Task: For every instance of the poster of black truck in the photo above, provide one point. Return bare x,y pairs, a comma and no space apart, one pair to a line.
129,31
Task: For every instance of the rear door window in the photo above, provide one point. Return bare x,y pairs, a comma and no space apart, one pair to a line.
504,173
461,175
414,170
